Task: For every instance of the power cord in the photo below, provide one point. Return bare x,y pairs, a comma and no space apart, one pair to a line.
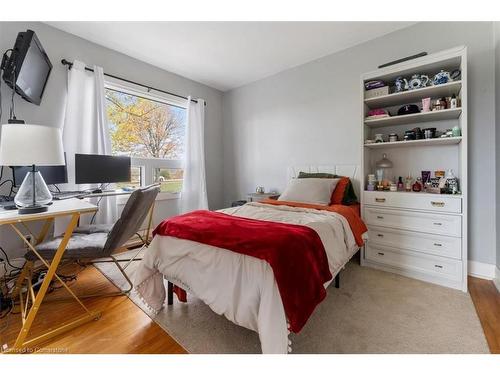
3,64
6,303
95,213
7,180
7,260
101,187
12,112
5,57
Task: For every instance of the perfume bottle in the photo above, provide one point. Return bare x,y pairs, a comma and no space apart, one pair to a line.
451,182
401,186
453,101
408,182
417,186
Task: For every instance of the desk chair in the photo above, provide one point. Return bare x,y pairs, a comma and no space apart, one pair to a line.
91,247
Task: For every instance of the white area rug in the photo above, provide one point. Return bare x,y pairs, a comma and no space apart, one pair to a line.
372,312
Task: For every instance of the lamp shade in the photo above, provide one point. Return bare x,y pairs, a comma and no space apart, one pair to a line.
26,144
384,162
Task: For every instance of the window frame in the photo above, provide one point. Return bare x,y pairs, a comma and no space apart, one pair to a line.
148,165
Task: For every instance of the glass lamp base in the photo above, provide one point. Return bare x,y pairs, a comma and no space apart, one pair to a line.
33,194
32,209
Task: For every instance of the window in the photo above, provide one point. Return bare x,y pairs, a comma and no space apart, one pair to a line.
170,179
151,131
136,178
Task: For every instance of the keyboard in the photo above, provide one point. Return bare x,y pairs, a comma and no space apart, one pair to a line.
60,195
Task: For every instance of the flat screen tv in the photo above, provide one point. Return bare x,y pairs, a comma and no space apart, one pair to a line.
28,67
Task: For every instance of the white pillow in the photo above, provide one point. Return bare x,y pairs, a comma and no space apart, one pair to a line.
310,190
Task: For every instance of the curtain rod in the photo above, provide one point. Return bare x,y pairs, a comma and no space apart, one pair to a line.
70,65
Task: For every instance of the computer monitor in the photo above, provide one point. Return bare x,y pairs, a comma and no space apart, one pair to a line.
57,174
101,169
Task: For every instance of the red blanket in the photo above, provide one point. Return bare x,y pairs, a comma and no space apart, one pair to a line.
294,252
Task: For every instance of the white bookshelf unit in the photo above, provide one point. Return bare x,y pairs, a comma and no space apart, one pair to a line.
419,235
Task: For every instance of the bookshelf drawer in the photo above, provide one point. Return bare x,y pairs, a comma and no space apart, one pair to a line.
415,241
416,201
437,266
449,225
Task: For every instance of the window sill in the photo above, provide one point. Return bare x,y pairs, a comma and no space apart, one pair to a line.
167,196
162,196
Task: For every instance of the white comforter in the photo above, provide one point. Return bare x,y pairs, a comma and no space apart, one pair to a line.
241,287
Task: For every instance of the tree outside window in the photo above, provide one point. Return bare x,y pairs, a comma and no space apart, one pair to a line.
145,128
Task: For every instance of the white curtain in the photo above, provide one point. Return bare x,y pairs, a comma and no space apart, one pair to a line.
85,128
194,187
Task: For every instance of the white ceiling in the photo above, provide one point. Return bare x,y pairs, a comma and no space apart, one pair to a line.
226,55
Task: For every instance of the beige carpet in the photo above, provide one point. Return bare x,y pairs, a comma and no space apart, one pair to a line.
372,312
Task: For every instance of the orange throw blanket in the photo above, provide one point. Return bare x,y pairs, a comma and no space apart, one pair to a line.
351,213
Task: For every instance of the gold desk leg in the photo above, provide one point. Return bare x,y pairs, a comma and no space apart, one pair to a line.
51,272
20,279
29,265
150,222
43,232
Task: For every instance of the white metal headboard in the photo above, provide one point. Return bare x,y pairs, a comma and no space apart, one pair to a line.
349,170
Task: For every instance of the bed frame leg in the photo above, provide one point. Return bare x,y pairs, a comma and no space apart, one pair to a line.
170,294
337,281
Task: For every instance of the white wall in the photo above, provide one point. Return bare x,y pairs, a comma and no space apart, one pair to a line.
59,45
310,115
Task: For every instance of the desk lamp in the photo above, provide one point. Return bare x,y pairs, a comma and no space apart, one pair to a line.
383,168
22,145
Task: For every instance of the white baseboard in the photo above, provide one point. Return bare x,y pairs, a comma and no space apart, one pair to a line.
481,270
496,280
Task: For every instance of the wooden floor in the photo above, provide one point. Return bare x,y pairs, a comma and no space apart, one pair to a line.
125,328
486,299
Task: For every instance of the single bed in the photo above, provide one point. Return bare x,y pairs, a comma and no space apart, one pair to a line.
241,287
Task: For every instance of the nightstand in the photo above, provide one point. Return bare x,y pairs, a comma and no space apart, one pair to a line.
255,197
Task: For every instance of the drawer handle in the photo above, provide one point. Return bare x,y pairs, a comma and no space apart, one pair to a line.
438,223
380,235
438,266
380,253
437,204
380,217
438,244
380,200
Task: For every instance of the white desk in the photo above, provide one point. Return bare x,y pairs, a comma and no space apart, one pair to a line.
108,193
31,300
57,208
